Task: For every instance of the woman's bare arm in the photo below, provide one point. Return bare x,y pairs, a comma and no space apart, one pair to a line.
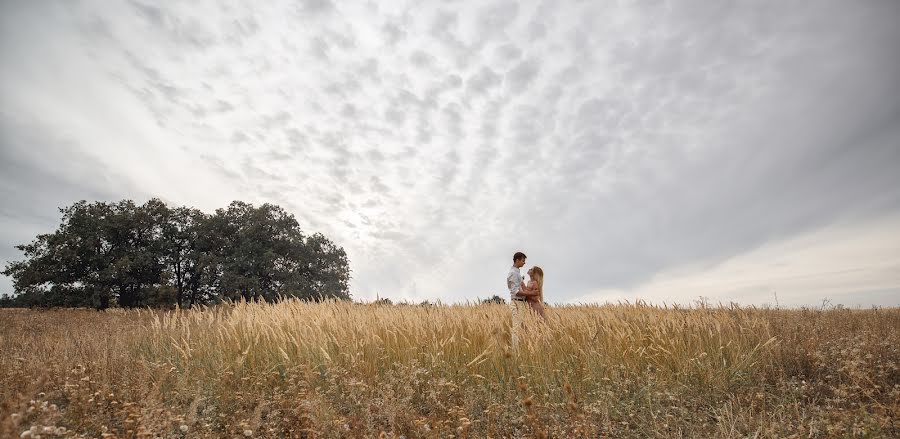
530,290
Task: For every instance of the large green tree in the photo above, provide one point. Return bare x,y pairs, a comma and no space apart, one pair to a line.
180,244
264,254
153,255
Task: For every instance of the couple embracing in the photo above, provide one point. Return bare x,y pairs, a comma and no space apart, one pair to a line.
524,297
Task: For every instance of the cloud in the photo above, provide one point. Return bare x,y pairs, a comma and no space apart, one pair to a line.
150,13
181,30
496,17
522,75
320,47
315,7
375,156
393,32
508,52
444,23
349,111
616,145
395,116
421,59
239,137
483,81
33,188
850,264
378,186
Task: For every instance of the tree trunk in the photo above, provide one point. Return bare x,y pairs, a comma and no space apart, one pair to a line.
104,301
179,282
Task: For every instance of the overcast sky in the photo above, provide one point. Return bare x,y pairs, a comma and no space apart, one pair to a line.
661,150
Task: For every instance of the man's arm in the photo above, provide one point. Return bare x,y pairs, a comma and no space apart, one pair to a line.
510,281
528,291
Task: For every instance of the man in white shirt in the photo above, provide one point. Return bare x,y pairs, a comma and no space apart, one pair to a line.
517,304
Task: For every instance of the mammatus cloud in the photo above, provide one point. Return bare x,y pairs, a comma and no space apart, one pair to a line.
661,151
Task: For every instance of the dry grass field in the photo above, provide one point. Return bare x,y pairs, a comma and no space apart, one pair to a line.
348,370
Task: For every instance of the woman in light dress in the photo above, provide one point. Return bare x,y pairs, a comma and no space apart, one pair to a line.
534,291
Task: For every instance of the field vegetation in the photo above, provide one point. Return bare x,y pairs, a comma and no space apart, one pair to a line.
339,369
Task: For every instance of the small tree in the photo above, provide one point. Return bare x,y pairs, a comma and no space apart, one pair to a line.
495,299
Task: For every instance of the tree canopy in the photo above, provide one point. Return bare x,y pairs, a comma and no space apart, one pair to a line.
107,254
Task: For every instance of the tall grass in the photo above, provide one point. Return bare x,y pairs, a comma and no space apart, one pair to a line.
338,369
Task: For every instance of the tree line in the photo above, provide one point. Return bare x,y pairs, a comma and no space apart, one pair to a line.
106,254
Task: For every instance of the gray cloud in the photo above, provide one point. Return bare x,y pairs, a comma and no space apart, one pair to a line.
223,106
315,7
375,156
320,47
33,187
522,75
179,30
395,115
536,30
349,111
219,166
344,39
508,52
421,59
444,23
496,17
393,32
239,137
614,145
483,81
453,120
277,119
452,81
370,69
378,186
151,13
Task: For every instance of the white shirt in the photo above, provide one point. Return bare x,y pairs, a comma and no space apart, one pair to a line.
513,281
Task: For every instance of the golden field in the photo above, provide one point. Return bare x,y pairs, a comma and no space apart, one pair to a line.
338,369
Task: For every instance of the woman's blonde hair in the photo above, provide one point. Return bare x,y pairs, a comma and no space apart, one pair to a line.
537,274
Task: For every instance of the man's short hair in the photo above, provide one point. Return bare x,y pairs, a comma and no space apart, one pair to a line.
519,255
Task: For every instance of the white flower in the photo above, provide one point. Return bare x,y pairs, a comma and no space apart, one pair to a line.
248,432
183,428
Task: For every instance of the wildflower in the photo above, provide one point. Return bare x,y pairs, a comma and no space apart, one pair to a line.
248,432
183,428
